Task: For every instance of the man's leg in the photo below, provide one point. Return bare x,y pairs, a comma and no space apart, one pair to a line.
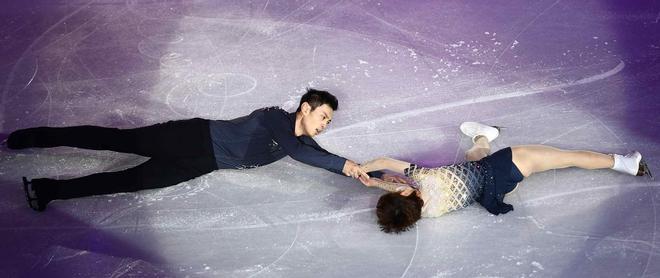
85,137
538,158
183,138
154,173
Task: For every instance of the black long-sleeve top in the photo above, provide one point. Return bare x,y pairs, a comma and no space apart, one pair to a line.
265,136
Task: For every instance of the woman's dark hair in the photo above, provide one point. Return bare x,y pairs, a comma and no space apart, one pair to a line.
317,98
398,213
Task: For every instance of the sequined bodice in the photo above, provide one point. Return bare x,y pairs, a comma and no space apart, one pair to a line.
447,188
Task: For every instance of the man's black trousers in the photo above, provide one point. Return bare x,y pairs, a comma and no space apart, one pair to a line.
178,151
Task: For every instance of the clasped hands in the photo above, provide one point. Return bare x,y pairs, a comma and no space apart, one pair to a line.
356,171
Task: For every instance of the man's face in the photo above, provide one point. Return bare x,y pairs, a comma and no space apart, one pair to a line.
317,120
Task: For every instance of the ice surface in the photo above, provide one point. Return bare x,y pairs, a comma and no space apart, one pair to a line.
573,74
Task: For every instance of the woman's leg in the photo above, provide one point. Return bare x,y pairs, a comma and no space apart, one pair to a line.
182,138
538,158
479,150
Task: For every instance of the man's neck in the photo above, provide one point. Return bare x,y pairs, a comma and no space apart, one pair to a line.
298,129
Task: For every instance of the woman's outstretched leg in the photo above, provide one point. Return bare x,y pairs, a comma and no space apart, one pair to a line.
538,158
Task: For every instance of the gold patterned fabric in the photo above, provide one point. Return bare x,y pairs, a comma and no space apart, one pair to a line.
447,188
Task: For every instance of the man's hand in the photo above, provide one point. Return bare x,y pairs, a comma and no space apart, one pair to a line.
352,169
394,178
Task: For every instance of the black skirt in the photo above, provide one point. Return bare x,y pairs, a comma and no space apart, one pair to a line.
500,176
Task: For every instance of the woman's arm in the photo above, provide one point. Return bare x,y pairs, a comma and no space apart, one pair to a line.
387,186
386,163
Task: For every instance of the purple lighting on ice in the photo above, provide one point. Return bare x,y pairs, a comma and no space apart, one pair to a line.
573,74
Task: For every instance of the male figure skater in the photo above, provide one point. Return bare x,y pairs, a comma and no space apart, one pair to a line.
185,149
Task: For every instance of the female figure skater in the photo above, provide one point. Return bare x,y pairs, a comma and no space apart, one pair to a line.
483,178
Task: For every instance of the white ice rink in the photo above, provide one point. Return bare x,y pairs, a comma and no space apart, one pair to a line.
572,74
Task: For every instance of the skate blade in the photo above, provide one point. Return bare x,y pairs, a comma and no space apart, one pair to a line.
644,170
33,201
499,128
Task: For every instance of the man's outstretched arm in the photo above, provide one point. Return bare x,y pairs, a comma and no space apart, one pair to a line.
282,132
351,168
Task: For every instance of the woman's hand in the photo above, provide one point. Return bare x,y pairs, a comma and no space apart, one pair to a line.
405,189
394,178
371,182
386,163
373,165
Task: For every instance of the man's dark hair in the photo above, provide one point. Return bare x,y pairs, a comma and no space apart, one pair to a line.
317,98
398,213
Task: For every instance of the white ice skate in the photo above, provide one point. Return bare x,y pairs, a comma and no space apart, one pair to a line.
631,164
474,129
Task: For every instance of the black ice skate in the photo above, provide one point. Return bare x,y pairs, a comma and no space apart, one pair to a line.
31,196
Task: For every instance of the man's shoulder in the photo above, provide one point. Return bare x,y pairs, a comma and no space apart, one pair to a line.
274,109
274,115
273,112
